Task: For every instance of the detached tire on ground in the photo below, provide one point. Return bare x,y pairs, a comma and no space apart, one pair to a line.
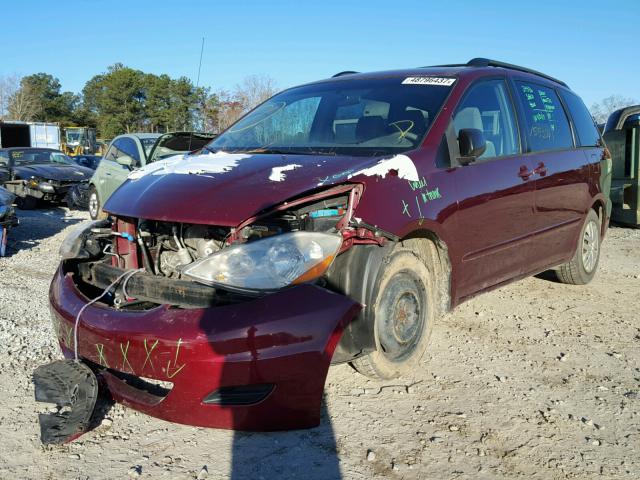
404,312
95,207
582,267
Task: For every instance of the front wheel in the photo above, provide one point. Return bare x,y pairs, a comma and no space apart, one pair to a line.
582,267
404,313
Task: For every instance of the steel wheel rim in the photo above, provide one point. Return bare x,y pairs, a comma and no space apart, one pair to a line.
590,246
403,311
93,205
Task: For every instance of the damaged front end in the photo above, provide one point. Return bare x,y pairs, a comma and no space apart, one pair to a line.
211,325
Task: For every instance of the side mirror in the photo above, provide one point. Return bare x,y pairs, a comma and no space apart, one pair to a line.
125,160
472,144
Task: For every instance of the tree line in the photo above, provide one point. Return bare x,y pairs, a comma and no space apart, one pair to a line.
124,100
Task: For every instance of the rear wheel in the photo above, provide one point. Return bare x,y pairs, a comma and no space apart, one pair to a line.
95,208
404,313
582,267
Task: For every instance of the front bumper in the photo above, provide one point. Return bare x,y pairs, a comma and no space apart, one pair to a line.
285,340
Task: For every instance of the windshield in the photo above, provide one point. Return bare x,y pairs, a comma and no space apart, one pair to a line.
35,156
74,136
353,117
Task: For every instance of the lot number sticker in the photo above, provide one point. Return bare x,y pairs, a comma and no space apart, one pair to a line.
444,81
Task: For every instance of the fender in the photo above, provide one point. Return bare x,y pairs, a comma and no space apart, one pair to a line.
355,273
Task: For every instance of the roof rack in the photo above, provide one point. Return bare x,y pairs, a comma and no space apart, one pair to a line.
346,72
486,62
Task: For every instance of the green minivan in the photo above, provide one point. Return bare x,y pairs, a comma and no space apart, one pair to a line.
132,151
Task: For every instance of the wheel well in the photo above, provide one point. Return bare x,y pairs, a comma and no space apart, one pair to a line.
355,273
598,207
435,254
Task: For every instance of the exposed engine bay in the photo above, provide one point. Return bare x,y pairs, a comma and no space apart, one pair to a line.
192,265
174,246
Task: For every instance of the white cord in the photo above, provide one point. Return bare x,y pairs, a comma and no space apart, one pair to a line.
128,274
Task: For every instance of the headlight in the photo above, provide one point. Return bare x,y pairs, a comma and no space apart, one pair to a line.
270,263
72,245
46,187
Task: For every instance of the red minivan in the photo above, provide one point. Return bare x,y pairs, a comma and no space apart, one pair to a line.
333,223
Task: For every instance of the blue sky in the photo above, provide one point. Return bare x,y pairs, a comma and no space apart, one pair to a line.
591,45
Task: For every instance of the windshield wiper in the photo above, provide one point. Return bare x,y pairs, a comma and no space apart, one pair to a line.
213,150
280,151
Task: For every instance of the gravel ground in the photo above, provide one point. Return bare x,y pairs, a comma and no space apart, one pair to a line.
535,380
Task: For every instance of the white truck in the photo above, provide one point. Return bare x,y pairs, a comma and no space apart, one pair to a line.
29,134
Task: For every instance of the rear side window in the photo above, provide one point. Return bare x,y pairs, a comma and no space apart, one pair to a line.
588,135
546,124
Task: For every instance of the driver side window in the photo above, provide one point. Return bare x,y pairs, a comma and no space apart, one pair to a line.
487,107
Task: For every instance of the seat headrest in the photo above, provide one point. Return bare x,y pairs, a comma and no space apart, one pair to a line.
468,118
370,127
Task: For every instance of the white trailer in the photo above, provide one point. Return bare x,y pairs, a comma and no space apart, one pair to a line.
45,135
29,134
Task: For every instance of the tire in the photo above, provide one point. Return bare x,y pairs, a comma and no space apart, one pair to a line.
405,308
582,267
95,207
26,203
69,201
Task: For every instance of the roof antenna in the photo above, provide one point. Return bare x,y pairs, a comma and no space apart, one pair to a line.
197,85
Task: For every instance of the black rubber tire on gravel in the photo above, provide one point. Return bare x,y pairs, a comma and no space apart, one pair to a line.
575,272
404,280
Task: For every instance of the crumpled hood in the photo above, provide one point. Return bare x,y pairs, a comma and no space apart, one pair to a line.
60,173
226,188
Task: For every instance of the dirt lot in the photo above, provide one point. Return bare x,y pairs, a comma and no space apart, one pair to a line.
536,380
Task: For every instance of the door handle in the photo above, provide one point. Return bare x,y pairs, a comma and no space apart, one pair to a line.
524,172
541,169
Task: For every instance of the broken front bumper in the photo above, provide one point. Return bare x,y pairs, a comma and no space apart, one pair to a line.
256,365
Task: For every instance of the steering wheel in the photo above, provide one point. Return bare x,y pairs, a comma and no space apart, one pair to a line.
405,133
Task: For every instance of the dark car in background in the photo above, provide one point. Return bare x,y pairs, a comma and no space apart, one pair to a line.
78,196
336,222
89,161
39,174
8,217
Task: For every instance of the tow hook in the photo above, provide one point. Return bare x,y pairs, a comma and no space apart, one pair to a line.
73,387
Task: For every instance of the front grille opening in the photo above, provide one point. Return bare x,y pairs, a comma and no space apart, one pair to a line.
149,291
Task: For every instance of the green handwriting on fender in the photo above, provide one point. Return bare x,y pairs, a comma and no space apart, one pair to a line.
429,195
422,193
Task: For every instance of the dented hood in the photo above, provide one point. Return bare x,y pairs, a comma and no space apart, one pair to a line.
226,188
57,172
